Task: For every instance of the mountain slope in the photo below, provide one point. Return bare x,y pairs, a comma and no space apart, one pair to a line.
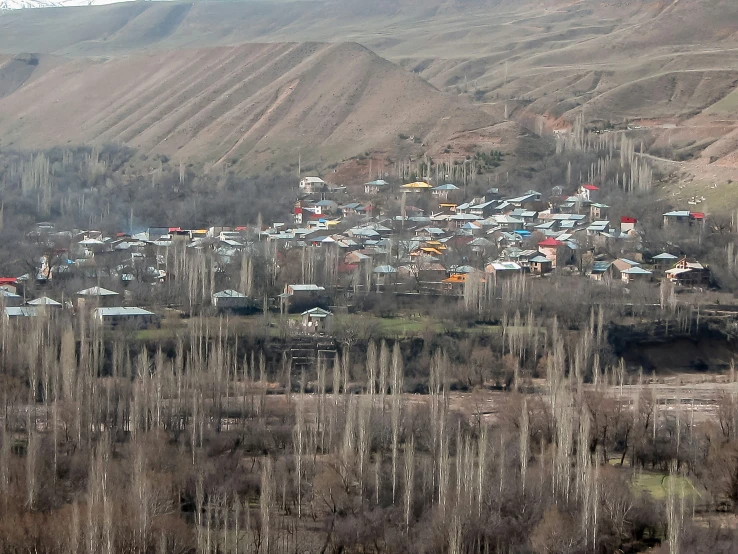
253,105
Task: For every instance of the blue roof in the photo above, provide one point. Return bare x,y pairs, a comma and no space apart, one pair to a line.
600,267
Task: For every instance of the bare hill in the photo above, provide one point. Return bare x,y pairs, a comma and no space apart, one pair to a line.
253,105
647,62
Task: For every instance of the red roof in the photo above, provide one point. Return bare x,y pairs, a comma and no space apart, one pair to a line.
589,186
8,281
697,215
242,228
550,241
626,219
174,229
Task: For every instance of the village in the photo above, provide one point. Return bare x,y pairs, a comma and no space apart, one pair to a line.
380,238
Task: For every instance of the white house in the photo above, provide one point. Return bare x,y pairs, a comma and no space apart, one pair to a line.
311,184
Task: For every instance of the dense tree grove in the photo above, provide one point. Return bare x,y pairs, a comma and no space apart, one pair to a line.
212,442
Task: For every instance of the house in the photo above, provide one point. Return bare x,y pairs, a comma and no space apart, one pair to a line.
588,191
597,227
683,218
137,318
540,265
9,284
230,300
325,207
621,265
431,272
636,273
317,320
601,270
384,275
554,250
492,194
300,295
527,200
97,296
351,209
509,223
375,187
688,274
443,191
483,209
308,185
457,281
303,290
627,224
598,211
10,298
18,312
663,261
503,270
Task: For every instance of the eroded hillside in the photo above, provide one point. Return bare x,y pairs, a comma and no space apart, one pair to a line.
253,105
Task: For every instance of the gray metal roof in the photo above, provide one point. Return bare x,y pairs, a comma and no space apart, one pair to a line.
122,312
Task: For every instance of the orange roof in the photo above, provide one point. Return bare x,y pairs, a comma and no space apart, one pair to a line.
460,278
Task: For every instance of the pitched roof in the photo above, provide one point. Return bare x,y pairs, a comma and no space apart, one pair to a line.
384,269
636,271
317,312
550,242
378,183
589,186
43,301
416,185
97,291
665,256
447,187
540,260
229,293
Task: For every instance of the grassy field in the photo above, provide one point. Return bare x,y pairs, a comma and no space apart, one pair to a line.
657,485
395,327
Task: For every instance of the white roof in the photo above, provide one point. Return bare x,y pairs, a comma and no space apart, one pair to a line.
21,311
304,288
504,266
317,312
120,311
43,301
636,271
97,291
230,293
313,180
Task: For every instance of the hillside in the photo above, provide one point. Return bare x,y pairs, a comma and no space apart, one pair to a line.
254,105
670,66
